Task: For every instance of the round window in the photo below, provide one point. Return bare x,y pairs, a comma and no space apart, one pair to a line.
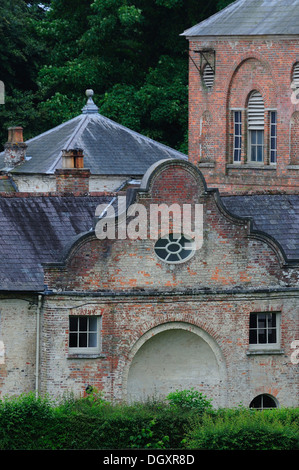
174,248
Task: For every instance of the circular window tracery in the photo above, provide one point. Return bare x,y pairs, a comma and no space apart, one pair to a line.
174,248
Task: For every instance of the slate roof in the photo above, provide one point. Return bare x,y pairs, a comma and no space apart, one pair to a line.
251,17
109,148
36,229
275,214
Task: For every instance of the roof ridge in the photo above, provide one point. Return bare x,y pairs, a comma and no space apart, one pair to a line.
79,128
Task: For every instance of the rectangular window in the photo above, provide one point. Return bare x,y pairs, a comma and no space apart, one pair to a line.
256,146
237,136
264,329
273,137
84,332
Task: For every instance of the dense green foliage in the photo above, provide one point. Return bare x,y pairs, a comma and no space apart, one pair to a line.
129,51
246,429
29,423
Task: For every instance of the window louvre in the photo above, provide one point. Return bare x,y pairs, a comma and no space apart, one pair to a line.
208,76
296,75
256,112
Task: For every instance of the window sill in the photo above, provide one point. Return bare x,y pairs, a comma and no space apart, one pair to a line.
206,164
257,352
85,355
293,167
251,166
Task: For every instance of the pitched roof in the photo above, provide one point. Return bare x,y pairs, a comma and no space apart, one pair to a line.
251,17
36,229
275,214
109,148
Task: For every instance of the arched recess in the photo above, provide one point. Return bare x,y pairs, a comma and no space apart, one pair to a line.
173,356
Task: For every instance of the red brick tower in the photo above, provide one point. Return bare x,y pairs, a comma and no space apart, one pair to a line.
244,97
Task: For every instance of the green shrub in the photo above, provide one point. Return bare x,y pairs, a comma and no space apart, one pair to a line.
189,400
245,430
23,419
186,419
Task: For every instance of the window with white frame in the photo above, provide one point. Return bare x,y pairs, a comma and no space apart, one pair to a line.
84,334
273,137
237,136
264,330
256,123
263,401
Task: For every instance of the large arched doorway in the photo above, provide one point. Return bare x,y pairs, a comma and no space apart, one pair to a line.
176,356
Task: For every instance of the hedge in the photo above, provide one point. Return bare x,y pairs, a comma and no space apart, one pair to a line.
246,430
29,423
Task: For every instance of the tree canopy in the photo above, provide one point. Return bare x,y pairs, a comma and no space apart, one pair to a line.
128,51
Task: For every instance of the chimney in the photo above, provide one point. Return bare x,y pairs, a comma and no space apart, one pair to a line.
15,147
72,158
72,177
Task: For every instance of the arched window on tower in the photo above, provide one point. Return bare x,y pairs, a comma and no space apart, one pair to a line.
255,125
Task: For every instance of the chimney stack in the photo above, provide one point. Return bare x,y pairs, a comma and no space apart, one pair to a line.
72,158
72,177
15,147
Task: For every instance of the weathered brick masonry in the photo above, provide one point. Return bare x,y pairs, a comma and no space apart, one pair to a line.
143,301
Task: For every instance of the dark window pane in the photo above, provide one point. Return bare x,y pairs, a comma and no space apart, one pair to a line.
259,154
161,243
92,340
272,335
82,340
253,137
93,324
260,137
268,402
252,336
184,254
73,323
162,253
256,402
237,156
262,338
83,323
273,118
253,320
173,257
262,321
272,320
253,154
73,340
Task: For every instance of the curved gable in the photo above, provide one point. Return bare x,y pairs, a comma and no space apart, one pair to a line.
232,255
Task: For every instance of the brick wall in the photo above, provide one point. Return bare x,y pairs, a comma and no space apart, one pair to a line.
242,65
139,298
72,180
